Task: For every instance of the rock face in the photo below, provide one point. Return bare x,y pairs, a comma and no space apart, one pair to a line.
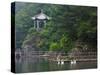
82,51
31,45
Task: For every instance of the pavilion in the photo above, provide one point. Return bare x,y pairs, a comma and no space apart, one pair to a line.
40,20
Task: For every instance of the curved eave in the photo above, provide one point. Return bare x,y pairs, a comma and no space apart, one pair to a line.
47,18
41,16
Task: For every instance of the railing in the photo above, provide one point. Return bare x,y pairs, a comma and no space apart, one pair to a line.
53,55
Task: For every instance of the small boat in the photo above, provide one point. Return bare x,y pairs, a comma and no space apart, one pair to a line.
62,62
58,62
73,61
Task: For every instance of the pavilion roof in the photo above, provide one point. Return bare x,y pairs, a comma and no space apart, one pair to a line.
41,16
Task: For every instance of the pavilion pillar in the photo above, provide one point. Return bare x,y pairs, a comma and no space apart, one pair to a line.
34,24
44,23
37,25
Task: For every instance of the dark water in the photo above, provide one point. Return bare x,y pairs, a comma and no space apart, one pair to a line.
36,64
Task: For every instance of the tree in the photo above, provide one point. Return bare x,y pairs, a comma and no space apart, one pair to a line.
68,24
54,46
65,43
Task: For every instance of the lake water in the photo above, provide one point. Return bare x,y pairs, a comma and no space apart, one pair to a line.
37,64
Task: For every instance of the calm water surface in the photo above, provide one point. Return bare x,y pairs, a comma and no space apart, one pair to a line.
35,64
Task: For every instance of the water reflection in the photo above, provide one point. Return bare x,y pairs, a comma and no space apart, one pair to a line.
38,64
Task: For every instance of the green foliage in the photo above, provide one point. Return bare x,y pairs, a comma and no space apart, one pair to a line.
54,46
65,43
68,24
